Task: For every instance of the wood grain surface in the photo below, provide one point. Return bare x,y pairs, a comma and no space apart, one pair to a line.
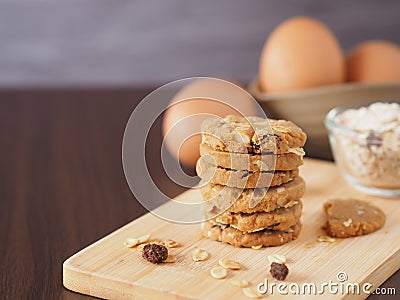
108,269
62,186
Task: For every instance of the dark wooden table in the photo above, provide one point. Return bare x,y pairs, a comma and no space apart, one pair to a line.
62,186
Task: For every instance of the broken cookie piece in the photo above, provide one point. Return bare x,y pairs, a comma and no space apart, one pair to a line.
352,217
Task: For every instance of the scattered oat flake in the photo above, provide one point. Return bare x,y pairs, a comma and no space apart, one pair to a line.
130,242
170,259
256,247
325,239
144,238
240,283
170,243
199,254
251,293
218,272
229,264
278,258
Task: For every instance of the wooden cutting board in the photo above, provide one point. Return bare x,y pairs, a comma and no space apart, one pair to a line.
108,269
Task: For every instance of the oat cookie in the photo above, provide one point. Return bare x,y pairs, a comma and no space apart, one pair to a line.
351,217
219,198
252,162
279,219
242,178
266,238
252,135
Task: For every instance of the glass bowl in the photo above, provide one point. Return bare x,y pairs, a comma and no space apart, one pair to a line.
368,159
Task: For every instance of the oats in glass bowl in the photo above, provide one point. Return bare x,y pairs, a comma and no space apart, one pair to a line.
365,142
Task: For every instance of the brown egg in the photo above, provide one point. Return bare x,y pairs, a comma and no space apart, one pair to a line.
182,120
300,53
374,61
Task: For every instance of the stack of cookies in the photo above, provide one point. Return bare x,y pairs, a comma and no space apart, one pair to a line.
250,180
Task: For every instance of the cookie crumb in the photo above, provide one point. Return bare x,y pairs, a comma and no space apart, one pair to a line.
310,245
155,253
279,271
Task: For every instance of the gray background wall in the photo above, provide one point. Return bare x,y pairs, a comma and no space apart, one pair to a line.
102,42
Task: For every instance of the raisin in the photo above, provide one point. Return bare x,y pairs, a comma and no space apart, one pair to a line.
279,271
155,253
374,139
215,210
245,174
